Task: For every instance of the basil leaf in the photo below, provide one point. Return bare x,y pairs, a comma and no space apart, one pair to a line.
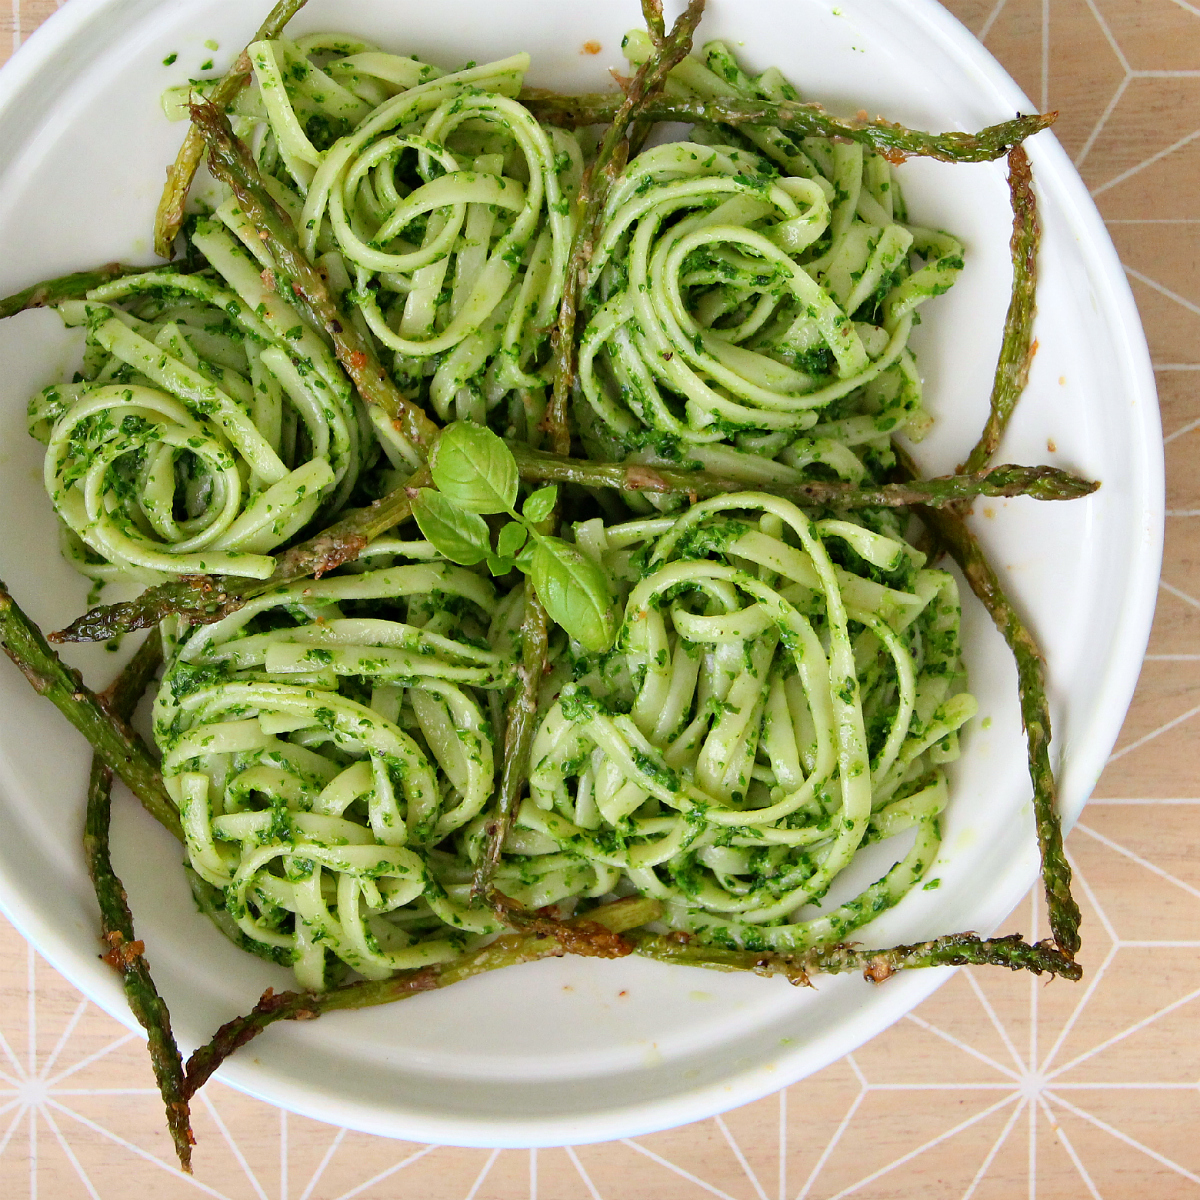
512,538
474,468
463,537
524,560
575,592
540,504
498,565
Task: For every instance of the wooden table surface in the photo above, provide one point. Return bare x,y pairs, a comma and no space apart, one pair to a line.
998,1086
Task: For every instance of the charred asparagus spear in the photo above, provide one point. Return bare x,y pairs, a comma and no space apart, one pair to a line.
611,156
120,748
624,918
168,220
204,599
950,527
794,117
66,287
231,162
610,159
1042,483
953,950
125,953
1017,348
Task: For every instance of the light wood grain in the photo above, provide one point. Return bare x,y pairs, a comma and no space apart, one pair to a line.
998,1086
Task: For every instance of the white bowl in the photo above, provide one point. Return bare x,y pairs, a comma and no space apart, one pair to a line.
570,1051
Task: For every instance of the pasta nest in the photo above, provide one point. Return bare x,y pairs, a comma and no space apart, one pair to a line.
319,743
784,690
210,424
726,297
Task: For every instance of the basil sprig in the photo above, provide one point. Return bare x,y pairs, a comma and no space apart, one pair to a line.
476,476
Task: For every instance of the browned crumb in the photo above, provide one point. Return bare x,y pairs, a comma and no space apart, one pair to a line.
122,954
877,970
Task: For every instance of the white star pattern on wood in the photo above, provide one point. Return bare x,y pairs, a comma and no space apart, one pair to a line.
998,1086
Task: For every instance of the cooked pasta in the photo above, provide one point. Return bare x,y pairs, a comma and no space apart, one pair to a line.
322,743
209,425
786,685
767,711
762,293
443,209
783,691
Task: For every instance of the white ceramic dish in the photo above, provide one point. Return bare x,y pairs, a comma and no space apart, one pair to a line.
571,1050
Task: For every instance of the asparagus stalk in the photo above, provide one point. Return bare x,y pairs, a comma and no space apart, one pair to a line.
118,746
231,162
955,949
203,599
200,599
126,954
610,159
168,220
1042,483
611,156
597,928
552,939
951,529
518,737
656,26
579,935
66,287
1018,347
794,117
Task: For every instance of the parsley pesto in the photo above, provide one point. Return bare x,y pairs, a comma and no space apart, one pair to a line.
785,685
765,713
